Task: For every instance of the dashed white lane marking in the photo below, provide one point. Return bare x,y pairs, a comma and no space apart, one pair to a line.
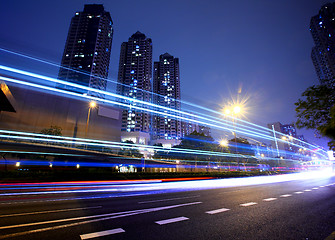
315,188
168,199
111,215
107,217
322,186
218,211
307,190
298,192
269,199
171,220
51,211
102,233
286,195
248,204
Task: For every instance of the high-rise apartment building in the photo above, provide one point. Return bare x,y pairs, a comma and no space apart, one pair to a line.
322,27
87,50
166,89
134,81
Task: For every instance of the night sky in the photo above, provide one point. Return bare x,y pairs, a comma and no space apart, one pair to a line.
262,47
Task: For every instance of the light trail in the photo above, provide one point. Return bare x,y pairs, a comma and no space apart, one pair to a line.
184,102
99,143
249,129
177,114
159,186
140,108
118,83
102,143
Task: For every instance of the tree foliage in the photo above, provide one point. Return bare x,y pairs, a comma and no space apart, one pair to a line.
316,110
130,151
241,146
53,130
195,141
198,141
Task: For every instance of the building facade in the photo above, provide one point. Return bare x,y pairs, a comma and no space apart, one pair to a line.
322,27
37,110
166,89
134,81
288,142
87,50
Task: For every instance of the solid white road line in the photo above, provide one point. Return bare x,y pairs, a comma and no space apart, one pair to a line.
171,220
102,233
248,204
218,211
298,192
286,195
269,199
51,211
307,190
167,199
107,217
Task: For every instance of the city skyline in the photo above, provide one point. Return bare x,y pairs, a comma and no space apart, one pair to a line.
227,75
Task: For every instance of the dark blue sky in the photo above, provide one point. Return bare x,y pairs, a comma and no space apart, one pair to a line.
262,46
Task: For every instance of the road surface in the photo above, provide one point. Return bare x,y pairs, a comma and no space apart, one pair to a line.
207,209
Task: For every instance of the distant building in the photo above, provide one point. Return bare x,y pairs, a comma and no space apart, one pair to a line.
322,27
288,141
289,130
87,50
134,81
166,89
189,127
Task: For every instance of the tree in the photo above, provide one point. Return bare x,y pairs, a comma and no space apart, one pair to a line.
241,146
317,111
199,141
53,130
129,150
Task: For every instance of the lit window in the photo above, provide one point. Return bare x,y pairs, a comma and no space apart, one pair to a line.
99,30
77,13
132,71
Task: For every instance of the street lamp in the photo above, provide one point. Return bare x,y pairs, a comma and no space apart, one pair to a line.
237,109
92,106
234,110
224,143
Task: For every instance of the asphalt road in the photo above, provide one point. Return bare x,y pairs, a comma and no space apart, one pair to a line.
297,209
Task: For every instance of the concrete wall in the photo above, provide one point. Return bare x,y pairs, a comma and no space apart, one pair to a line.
38,110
